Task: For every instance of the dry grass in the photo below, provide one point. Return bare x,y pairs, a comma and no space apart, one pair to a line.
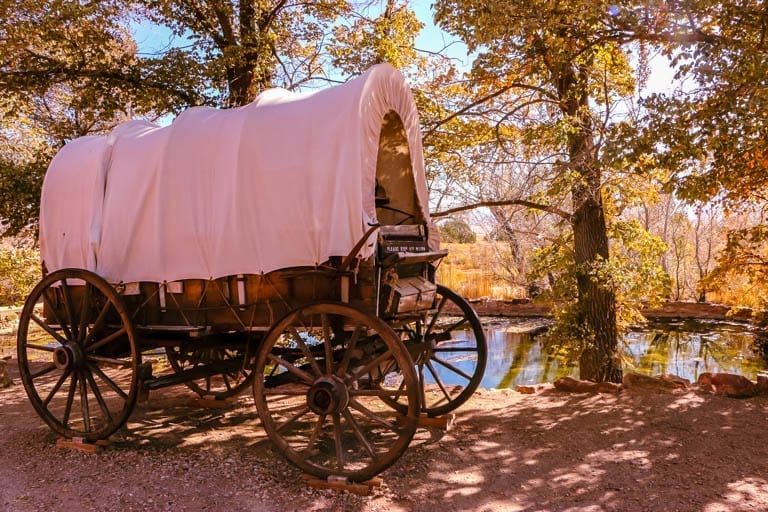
473,272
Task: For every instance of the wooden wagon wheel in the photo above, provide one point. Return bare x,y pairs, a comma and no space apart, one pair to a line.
230,380
320,393
450,351
79,360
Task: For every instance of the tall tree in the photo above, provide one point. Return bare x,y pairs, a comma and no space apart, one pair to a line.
85,48
68,69
242,47
554,72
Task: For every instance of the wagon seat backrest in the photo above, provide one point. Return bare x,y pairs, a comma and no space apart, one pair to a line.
404,252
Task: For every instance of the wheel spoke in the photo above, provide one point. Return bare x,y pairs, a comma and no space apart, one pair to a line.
342,369
378,392
315,431
84,403
42,371
338,436
106,341
422,388
359,434
56,387
68,308
372,415
327,344
55,315
99,397
225,377
103,376
70,399
108,360
291,368
293,419
83,325
285,392
440,307
456,325
452,368
370,366
307,353
98,324
44,348
439,382
47,328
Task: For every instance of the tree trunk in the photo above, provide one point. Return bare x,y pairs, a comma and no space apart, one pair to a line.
596,308
599,360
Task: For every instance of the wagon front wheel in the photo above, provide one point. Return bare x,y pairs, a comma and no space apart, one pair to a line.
322,395
78,357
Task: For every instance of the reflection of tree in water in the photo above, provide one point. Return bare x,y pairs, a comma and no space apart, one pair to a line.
519,358
684,348
688,348
760,345
532,355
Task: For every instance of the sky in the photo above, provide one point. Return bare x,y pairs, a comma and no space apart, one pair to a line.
153,39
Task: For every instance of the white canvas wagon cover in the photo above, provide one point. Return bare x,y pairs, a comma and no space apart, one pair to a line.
285,181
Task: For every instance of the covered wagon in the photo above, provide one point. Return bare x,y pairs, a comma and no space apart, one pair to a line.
284,247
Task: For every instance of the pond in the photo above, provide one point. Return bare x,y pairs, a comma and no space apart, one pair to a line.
684,348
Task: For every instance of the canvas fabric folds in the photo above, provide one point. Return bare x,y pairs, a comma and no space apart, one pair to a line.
285,181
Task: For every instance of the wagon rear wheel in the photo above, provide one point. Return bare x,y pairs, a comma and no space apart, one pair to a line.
78,357
450,351
320,391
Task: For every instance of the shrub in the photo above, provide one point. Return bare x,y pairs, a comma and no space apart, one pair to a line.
19,270
457,231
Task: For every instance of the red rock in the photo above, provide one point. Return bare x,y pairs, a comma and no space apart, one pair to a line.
660,383
729,384
572,385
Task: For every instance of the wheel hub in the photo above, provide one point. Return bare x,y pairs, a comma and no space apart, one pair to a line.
328,395
67,357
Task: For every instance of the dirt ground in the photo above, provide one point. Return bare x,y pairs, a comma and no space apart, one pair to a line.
550,451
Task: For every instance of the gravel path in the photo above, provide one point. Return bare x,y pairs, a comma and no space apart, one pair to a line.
551,451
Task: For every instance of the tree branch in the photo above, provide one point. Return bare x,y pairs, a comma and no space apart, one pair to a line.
477,102
510,202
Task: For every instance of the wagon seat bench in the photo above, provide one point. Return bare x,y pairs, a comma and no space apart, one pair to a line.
294,274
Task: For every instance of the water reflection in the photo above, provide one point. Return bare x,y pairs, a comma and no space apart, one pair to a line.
684,348
515,356
689,348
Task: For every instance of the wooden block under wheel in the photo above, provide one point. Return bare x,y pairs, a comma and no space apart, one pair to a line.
78,443
444,422
338,483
